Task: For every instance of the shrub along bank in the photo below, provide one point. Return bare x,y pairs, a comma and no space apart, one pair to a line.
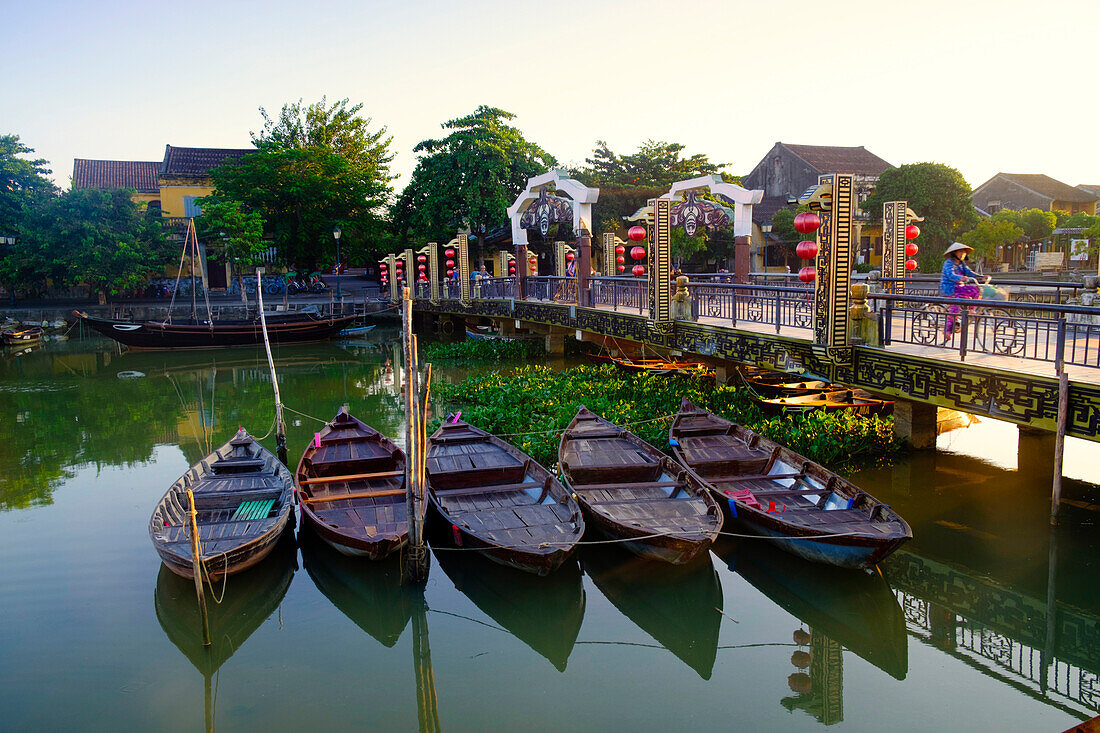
476,350
532,406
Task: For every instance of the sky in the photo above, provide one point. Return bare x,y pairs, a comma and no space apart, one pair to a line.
980,86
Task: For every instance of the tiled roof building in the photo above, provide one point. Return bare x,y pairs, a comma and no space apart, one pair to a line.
1019,191
140,175
197,162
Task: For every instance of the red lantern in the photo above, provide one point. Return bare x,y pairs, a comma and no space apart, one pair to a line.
450,272
637,253
622,268
620,259
569,256
807,222
638,270
383,267
449,252
399,264
910,265
807,274
423,278
422,268
422,258
912,231
911,249
806,249
620,250
636,234
450,263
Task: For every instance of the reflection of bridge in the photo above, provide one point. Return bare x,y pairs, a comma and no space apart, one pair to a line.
1047,649
999,366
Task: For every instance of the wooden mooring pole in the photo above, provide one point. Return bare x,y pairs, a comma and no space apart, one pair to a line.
196,568
1059,445
280,424
415,449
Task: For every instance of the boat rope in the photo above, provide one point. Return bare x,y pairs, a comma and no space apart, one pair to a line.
272,428
311,417
561,430
225,576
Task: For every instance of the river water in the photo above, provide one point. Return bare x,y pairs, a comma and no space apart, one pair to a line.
986,620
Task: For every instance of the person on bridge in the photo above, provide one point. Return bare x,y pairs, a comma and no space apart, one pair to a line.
957,281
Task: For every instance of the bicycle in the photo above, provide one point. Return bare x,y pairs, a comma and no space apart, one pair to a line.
936,324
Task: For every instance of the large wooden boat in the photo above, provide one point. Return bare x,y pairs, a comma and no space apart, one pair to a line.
283,328
855,401
242,500
351,488
631,491
772,491
22,336
778,384
497,499
664,367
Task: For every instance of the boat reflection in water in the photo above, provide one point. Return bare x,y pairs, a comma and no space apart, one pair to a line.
370,593
680,606
249,600
545,613
842,608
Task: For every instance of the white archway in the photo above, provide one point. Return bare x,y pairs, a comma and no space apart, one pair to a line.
583,198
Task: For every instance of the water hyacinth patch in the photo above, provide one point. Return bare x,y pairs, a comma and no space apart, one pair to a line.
476,350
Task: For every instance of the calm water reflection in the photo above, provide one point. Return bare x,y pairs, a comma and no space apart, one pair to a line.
986,620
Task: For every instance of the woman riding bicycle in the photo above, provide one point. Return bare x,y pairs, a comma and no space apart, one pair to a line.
957,281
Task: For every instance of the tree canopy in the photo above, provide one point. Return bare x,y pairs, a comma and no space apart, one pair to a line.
656,164
315,167
22,181
935,191
1035,224
468,178
991,233
237,234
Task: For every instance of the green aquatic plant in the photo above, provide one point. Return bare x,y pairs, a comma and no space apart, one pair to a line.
475,350
532,406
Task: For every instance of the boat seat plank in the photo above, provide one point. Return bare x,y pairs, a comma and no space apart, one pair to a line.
358,495
351,477
758,477
649,500
626,485
489,489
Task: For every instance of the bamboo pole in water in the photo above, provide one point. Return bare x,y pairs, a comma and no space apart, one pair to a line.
1059,445
427,705
196,567
280,425
414,449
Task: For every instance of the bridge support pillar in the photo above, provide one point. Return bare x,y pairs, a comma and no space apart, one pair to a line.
507,327
1035,454
555,341
915,423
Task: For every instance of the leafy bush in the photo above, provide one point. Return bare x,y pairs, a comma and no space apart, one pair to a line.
531,408
473,350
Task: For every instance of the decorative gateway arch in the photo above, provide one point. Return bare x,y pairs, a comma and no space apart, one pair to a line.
537,207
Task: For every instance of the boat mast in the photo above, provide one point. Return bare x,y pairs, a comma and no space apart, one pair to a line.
191,238
280,425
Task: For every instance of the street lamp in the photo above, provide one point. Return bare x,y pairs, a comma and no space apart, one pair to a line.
336,235
766,229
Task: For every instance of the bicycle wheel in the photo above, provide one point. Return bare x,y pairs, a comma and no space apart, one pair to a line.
929,323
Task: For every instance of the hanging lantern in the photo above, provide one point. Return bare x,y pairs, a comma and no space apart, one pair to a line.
450,272
383,267
911,249
450,263
620,250
801,659
637,253
422,258
638,270
423,278
422,268
806,249
399,265
622,268
569,256
620,259
912,231
910,265
449,252
807,222
636,234
807,274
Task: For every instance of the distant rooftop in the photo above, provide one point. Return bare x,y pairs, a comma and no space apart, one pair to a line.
197,161
831,159
1049,187
140,175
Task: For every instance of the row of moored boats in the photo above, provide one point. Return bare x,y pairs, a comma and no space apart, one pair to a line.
350,488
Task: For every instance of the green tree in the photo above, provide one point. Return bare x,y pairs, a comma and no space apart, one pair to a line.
935,191
234,232
991,233
656,164
468,178
1035,223
315,167
23,188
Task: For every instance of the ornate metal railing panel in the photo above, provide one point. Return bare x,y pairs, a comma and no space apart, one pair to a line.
620,293
778,306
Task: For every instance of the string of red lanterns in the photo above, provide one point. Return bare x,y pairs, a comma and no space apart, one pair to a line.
806,223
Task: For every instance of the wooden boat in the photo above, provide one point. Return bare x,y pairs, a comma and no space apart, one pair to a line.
545,613
664,367
480,335
680,606
22,337
631,491
497,499
772,491
283,328
787,385
856,401
357,330
351,488
242,500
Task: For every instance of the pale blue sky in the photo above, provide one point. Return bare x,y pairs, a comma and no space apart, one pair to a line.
982,86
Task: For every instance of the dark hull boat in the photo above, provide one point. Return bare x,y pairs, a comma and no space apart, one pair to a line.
544,613
786,385
499,500
631,491
855,401
23,337
283,328
242,501
773,491
678,605
351,487
373,595
856,610
663,367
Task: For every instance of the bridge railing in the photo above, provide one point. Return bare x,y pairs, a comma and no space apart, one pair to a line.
620,293
768,304
1052,293
551,288
496,288
1062,334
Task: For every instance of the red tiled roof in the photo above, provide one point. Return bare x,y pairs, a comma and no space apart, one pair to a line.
197,161
763,212
139,175
1049,187
830,159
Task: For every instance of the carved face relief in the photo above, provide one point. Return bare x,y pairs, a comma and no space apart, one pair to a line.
546,210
